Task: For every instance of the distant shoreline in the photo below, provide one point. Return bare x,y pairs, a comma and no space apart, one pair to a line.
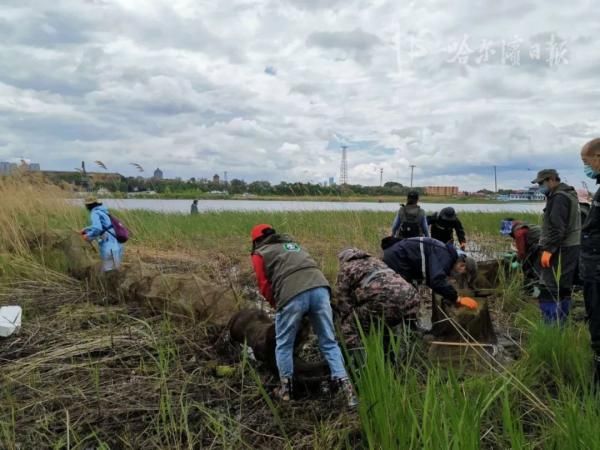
354,198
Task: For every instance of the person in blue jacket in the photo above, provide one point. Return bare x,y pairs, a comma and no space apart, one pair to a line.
101,229
411,220
428,261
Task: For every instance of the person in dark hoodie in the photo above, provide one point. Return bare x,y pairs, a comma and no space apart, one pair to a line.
590,253
559,245
290,280
429,261
194,208
443,226
410,220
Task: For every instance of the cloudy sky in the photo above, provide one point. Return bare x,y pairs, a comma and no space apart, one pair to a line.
270,89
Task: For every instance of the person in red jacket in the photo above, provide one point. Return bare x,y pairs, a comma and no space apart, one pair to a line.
527,237
290,280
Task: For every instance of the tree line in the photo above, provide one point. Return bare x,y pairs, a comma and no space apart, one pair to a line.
239,187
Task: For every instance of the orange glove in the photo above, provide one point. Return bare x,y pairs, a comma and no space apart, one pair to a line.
463,246
546,259
467,302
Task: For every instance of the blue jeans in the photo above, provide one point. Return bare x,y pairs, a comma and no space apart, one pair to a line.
555,312
314,303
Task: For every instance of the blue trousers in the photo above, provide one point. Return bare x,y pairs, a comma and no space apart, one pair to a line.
555,312
316,304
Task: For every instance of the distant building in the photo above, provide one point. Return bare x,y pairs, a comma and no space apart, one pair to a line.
529,194
7,167
331,181
34,167
216,179
443,191
158,174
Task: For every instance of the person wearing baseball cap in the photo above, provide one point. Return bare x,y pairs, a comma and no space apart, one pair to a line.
559,245
291,281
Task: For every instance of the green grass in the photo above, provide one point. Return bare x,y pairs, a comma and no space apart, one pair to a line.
90,375
340,226
542,402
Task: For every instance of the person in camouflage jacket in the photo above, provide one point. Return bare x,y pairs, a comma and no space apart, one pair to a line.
368,290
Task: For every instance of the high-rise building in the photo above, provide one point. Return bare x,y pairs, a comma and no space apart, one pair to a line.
216,179
158,174
331,181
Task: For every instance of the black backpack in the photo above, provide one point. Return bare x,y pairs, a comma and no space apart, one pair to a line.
411,226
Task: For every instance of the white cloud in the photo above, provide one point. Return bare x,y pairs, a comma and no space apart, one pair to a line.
260,88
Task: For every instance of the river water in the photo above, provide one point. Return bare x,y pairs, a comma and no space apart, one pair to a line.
183,206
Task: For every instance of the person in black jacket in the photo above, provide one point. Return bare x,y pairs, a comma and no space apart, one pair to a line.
429,261
590,253
443,226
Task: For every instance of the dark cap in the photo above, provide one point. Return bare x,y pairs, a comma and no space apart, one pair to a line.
544,175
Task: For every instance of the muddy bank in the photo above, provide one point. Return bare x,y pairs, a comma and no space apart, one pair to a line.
215,300
200,296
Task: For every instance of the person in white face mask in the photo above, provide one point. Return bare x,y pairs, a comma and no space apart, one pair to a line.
590,252
559,245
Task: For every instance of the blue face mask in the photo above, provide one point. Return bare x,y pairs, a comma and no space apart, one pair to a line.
544,189
590,172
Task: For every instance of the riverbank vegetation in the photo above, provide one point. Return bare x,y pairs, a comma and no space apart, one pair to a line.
118,186
88,371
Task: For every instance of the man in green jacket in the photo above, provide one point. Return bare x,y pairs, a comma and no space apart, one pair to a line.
290,280
559,245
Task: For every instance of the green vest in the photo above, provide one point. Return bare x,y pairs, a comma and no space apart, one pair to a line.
289,268
573,236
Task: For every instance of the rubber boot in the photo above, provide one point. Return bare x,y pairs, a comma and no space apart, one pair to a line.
284,391
349,393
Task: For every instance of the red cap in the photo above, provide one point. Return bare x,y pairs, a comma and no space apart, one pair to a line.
258,230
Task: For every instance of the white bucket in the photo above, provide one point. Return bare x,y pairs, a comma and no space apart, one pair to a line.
10,320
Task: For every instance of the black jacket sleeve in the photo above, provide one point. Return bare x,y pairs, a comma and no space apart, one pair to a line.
460,231
438,282
556,229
